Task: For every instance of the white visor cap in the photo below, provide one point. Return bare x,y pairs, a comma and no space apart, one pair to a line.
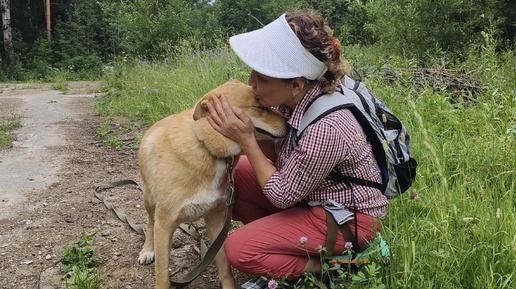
275,51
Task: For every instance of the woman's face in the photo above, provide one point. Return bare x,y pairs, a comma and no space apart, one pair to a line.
270,91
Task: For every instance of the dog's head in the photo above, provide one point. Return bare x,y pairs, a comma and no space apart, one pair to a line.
268,123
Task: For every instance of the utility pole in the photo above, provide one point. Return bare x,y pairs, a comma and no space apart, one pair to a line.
47,17
7,55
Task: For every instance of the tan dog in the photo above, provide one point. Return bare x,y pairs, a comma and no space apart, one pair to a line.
182,163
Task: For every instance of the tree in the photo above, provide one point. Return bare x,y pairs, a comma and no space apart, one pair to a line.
237,16
82,40
425,29
7,53
157,29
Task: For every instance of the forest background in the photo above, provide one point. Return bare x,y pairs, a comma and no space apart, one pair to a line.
83,37
446,68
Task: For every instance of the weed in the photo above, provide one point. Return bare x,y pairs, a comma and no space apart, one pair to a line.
79,262
114,142
61,85
104,129
11,122
358,275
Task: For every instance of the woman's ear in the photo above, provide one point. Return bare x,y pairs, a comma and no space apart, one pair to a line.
298,85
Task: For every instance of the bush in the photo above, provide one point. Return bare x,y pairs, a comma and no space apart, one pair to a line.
426,29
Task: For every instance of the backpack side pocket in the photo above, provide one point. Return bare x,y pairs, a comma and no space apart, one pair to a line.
406,174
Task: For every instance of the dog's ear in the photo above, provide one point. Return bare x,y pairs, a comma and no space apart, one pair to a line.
200,109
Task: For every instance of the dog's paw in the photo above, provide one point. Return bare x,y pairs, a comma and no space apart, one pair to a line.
146,257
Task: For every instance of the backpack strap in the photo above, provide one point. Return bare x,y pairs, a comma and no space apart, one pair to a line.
345,98
336,175
331,235
377,148
323,105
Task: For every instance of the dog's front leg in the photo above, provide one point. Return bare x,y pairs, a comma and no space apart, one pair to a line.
163,232
214,222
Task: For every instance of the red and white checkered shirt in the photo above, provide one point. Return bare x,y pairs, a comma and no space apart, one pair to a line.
336,140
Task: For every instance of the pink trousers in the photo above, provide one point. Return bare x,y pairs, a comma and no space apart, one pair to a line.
269,242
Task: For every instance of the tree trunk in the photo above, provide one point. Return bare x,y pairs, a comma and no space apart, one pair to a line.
7,55
47,17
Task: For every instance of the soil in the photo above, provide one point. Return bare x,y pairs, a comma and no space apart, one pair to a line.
47,182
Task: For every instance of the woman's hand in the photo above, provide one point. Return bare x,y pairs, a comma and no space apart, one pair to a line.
231,122
235,124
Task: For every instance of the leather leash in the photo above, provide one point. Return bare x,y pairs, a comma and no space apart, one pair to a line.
207,254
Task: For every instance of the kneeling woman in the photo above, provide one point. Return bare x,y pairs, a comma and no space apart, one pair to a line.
294,60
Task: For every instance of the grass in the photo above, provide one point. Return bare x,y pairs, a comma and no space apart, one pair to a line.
8,123
461,233
148,92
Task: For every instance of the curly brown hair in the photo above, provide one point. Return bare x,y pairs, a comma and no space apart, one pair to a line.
317,37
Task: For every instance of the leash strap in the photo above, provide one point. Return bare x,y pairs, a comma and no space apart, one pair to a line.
137,228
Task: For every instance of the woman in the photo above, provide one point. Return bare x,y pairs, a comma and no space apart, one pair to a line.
294,60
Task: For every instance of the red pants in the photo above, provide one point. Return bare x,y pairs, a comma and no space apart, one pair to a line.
269,242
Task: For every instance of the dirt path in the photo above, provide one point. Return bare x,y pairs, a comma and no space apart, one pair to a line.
27,166
47,181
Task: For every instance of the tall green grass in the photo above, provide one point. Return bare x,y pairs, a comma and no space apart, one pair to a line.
462,233
149,91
